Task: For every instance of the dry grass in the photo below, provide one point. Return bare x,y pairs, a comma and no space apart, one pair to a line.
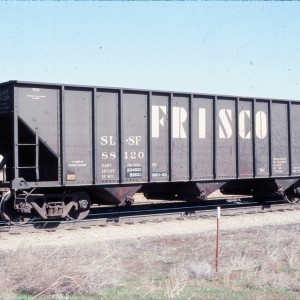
255,264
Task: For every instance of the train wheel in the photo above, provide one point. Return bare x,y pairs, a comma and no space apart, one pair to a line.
83,208
291,198
11,215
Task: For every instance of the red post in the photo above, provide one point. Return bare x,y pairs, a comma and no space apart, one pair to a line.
218,240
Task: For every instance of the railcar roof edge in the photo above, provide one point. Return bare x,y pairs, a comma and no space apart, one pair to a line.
143,90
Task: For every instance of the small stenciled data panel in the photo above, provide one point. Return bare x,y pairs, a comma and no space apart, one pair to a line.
134,137
5,100
279,139
202,138
180,138
226,138
107,137
159,150
245,138
6,130
262,153
295,140
77,139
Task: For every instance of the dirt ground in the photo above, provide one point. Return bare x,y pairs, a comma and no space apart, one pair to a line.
97,234
175,259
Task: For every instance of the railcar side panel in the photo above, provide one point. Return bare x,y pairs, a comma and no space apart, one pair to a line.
159,151
107,137
39,109
134,137
202,138
279,139
245,138
226,138
295,140
180,138
116,136
262,151
77,142
38,136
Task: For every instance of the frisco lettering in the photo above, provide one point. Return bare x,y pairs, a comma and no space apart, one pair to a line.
180,115
180,124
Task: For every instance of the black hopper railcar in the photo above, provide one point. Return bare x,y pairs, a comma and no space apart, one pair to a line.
65,147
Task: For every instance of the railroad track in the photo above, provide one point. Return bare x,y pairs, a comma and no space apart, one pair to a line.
141,213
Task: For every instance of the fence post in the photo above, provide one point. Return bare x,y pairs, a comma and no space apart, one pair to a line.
218,240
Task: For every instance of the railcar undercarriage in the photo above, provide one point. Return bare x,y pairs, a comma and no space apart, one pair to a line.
18,207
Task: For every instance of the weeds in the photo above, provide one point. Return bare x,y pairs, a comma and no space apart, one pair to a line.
255,264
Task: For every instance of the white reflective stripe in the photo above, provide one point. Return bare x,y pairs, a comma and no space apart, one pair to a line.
218,212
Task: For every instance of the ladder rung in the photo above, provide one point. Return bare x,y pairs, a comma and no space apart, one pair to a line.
26,167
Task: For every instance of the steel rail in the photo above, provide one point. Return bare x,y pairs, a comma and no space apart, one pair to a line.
154,213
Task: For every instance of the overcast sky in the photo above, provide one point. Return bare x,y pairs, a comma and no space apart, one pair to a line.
236,48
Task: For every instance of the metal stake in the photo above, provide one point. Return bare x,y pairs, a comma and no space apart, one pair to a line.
218,240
